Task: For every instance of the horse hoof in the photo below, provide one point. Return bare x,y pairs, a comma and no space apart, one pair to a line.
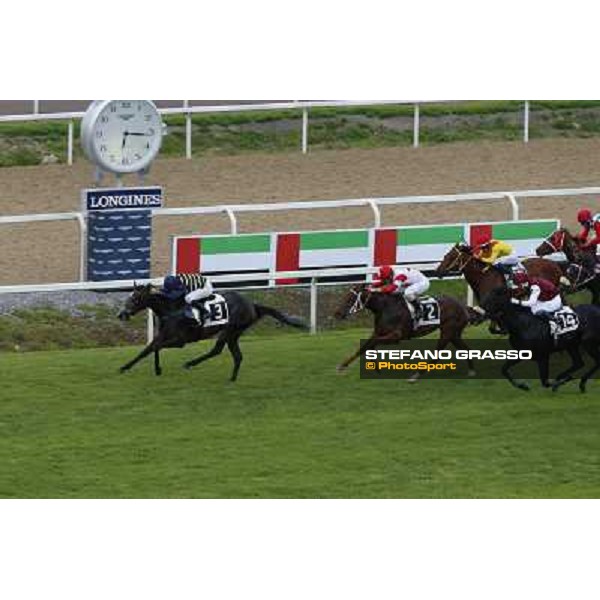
123,370
523,386
158,373
341,369
187,366
582,388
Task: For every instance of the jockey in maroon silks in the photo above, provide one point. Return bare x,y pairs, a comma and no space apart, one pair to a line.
544,297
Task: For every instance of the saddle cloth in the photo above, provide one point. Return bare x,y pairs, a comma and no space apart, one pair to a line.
217,312
429,310
563,322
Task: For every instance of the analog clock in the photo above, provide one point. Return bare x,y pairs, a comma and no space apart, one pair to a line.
122,136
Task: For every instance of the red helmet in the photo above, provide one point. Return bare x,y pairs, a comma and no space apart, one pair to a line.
584,215
385,272
521,278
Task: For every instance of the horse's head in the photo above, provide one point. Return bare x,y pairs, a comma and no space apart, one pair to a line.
455,259
137,301
553,243
354,301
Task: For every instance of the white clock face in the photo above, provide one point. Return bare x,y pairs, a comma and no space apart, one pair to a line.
125,135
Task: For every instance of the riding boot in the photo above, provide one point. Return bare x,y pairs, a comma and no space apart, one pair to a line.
417,310
199,304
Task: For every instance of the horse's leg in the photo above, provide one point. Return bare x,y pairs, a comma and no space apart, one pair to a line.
544,370
157,369
367,345
509,364
236,353
216,350
567,374
594,351
153,346
460,344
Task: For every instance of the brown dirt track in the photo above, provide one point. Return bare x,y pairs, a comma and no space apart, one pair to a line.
48,252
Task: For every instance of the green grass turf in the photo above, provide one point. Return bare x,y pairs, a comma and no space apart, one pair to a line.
71,426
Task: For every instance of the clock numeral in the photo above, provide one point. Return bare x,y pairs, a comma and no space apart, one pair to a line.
113,108
125,161
151,131
147,145
104,119
99,133
126,104
103,148
137,156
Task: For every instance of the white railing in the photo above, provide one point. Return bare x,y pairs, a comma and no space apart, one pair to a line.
231,210
303,106
271,279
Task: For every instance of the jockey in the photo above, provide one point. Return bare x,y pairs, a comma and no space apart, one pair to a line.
409,282
497,253
174,288
589,223
544,297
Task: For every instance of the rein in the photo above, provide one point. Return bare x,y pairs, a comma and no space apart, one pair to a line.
459,255
559,244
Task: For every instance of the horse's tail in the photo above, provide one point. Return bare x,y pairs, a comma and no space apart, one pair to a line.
297,322
476,315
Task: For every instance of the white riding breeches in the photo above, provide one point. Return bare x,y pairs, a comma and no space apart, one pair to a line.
200,293
548,306
416,289
511,259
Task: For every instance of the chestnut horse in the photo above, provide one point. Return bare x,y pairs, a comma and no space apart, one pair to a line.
394,322
581,272
483,278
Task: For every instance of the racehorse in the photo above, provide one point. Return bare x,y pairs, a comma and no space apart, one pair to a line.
176,329
483,278
394,322
529,332
581,272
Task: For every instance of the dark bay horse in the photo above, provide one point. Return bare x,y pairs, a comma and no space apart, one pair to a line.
176,329
529,332
483,278
393,321
581,273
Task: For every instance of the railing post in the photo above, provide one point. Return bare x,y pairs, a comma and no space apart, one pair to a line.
526,122
70,143
150,326
313,306
304,130
82,246
188,131
376,212
232,220
36,107
470,296
416,126
514,205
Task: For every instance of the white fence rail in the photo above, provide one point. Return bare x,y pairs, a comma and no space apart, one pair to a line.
313,275
303,106
231,210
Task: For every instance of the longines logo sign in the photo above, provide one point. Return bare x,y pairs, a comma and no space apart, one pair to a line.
104,199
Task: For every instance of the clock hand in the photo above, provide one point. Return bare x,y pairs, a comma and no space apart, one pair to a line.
137,133
125,134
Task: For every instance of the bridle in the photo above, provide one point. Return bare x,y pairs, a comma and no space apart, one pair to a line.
358,303
459,255
581,271
559,244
